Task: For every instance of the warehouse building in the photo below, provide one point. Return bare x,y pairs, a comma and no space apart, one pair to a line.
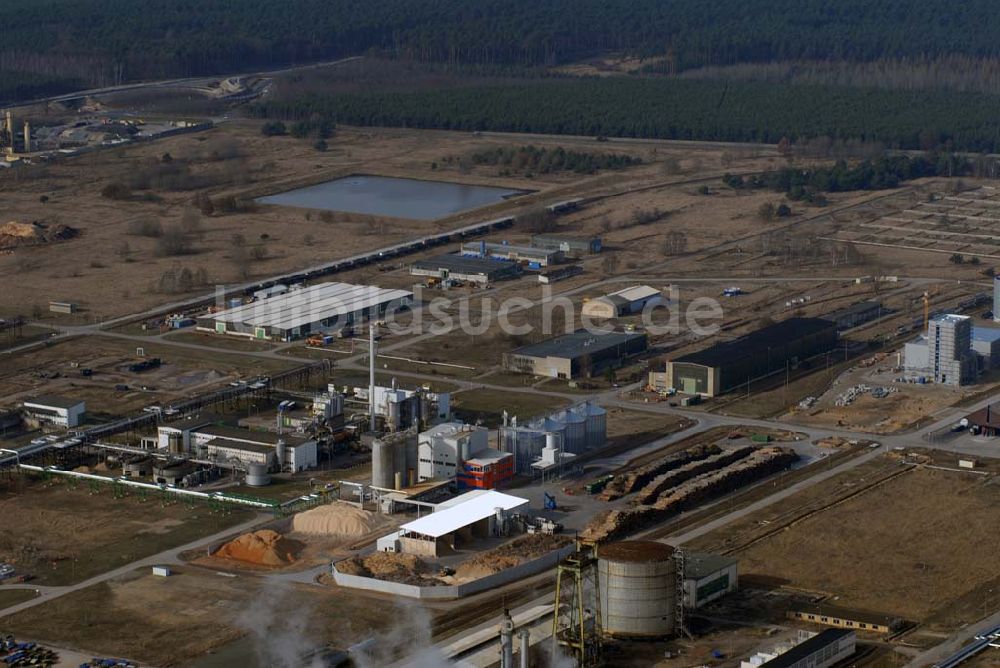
464,520
534,258
568,245
708,577
55,410
467,269
320,308
731,364
623,302
824,649
856,315
986,345
581,353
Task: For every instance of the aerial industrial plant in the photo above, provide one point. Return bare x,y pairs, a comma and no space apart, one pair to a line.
528,334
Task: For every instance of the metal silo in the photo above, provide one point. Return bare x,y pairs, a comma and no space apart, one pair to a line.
257,475
574,431
383,463
596,423
638,589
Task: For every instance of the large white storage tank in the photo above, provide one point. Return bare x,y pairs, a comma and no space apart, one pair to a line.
638,589
596,423
574,431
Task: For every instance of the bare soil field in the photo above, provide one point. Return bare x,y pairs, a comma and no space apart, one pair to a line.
910,524
39,537
185,371
112,267
173,620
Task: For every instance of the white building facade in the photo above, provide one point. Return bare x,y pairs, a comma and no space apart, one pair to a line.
442,449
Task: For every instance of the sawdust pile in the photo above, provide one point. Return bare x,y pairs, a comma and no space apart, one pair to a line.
514,553
404,568
335,519
263,548
15,234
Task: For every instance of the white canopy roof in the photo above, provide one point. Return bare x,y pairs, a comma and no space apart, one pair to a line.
455,517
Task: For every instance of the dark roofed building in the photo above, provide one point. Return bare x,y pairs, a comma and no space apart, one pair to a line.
856,315
823,649
580,353
731,364
465,268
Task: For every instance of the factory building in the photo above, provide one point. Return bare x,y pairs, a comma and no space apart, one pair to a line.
455,524
55,411
254,447
401,409
945,355
567,244
488,469
534,258
442,449
553,440
986,345
559,274
475,270
623,302
856,315
320,308
857,620
580,353
708,577
731,364
822,650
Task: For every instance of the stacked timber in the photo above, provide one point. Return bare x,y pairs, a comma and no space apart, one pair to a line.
624,521
629,482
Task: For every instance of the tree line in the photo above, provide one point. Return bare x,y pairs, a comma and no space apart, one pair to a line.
543,160
884,173
671,109
108,41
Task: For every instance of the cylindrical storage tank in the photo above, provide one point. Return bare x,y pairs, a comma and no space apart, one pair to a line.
575,431
281,454
411,451
529,448
596,425
175,443
257,475
638,589
383,464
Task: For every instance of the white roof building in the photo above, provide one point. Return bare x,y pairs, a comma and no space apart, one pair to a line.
324,307
464,518
622,302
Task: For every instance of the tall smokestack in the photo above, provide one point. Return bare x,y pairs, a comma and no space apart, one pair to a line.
525,637
371,375
27,137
